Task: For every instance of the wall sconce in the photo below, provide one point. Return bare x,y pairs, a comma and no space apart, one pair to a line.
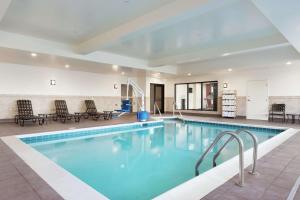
115,86
52,82
225,85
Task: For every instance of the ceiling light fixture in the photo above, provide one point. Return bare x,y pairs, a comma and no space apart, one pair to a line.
289,63
225,54
189,74
229,69
156,74
115,67
67,66
33,55
123,73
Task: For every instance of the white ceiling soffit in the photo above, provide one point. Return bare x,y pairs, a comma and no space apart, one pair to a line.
4,4
72,21
20,57
285,17
25,43
265,57
206,32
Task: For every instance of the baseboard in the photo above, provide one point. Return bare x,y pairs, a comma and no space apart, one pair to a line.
7,120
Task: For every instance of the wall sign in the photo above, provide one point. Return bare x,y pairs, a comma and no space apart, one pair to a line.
52,82
115,86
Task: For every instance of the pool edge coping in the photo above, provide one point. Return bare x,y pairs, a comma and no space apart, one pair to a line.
61,184
67,185
222,173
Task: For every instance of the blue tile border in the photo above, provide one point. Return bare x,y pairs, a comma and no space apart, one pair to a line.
74,134
224,125
103,130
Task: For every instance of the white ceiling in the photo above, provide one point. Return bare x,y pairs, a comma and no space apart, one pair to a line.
264,58
72,21
192,39
225,24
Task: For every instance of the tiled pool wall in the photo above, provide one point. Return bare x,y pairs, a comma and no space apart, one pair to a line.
239,126
86,132
102,130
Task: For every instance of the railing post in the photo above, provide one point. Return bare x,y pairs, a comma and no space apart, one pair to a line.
255,149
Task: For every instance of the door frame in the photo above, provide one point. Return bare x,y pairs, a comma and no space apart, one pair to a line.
247,98
162,110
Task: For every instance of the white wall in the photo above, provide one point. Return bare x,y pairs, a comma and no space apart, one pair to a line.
283,80
157,80
29,80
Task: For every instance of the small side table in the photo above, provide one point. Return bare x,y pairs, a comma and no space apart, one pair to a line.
107,115
291,116
43,118
77,116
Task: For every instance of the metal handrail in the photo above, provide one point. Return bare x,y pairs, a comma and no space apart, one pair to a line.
255,144
255,149
241,154
155,106
174,108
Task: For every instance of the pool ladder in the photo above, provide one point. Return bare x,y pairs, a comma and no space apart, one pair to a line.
155,107
175,109
233,135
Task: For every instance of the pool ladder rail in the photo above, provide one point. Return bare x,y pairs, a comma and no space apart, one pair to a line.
175,109
155,107
233,135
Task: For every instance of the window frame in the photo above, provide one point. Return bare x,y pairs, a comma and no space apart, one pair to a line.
187,95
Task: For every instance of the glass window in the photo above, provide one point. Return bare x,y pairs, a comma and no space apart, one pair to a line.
194,94
181,96
197,96
209,97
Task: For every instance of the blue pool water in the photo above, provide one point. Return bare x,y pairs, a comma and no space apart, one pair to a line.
140,161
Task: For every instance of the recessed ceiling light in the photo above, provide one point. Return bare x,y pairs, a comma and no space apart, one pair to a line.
225,54
229,69
123,73
289,63
67,66
156,74
33,55
115,67
189,74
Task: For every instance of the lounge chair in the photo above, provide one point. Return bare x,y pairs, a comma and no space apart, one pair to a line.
62,112
91,110
277,110
25,113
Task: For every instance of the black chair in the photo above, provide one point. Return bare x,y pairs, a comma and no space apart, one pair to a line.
92,111
277,110
25,113
62,112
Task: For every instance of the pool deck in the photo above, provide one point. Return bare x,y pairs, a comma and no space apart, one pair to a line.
278,170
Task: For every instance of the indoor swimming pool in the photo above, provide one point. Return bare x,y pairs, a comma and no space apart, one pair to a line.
143,160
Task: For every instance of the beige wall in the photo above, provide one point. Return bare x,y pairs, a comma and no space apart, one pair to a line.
28,82
283,83
292,105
